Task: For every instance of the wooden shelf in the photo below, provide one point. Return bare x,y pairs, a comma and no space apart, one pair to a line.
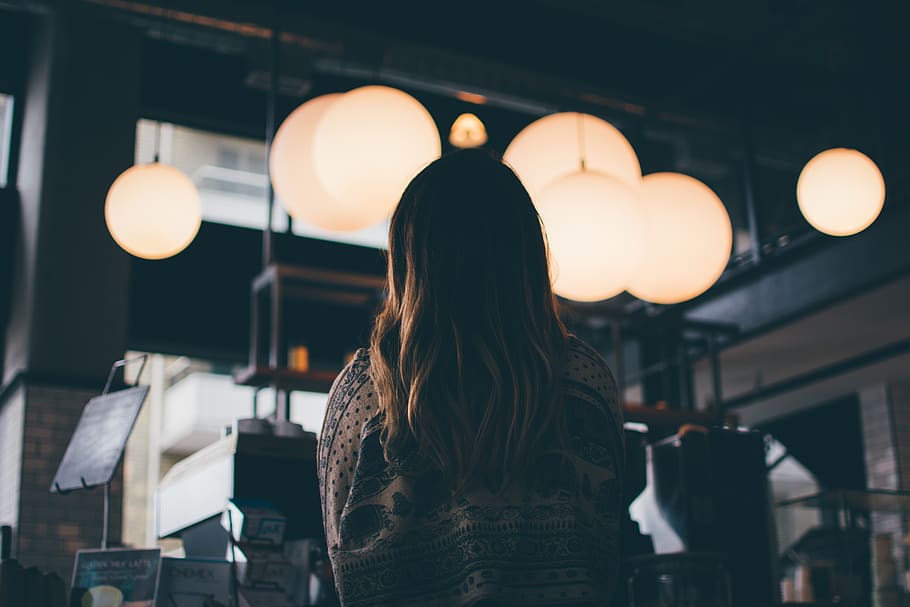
655,416
286,379
313,277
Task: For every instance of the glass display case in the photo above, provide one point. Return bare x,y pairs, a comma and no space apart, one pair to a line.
857,556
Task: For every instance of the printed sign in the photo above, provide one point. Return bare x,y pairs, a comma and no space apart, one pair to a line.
194,583
115,578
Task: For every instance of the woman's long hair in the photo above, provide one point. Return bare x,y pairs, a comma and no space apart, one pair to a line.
467,351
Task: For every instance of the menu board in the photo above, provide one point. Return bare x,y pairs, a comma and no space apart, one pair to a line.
97,444
115,578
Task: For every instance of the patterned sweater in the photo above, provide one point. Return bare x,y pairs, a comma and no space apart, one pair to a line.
397,539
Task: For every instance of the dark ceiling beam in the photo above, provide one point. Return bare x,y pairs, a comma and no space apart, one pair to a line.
30,6
337,46
805,32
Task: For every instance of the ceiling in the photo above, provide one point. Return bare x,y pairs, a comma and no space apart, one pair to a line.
697,85
701,87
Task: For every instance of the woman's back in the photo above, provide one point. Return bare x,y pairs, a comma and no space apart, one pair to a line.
397,538
474,452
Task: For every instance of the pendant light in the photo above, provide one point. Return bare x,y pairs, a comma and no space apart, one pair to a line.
467,131
687,239
592,217
594,229
293,172
368,145
840,192
153,211
547,149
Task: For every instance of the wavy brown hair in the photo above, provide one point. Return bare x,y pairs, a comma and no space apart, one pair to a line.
467,351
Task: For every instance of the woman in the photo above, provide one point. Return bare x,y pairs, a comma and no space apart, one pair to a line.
473,455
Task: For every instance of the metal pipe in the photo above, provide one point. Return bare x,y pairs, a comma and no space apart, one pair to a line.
106,522
238,20
283,406
270,126
749,191
619,365
398,77
684,377
256,392
716,379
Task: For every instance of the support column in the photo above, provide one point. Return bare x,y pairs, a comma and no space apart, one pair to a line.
668,375
68,312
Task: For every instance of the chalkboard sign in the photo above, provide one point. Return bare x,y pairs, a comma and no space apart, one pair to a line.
99,440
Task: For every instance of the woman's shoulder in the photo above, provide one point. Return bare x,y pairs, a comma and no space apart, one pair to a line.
353,380
351,401
587,367
357,366
577,344
586,363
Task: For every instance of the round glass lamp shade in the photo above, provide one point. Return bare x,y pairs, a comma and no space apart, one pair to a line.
153,211
555,145
688,239
840,192
594,228
368,145
293,174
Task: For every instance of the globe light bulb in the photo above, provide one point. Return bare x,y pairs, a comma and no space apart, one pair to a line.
556,145
153,211
467,132
367,147
687,239
293,172
594,229
840,192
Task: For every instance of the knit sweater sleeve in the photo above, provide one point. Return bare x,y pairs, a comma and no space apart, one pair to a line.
339,443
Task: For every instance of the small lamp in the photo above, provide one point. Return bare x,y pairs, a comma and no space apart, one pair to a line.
467,132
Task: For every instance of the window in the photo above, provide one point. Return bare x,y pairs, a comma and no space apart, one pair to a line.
6,132
230,174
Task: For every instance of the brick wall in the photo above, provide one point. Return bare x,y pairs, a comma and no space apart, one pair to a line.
885,413
52,527
900,411
12,417
878,438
